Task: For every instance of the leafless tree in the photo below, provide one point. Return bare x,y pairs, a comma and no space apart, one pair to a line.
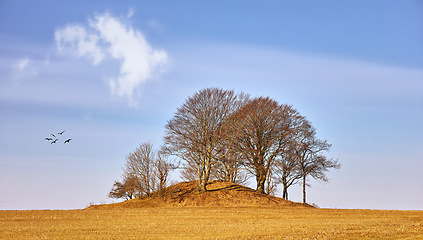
311,159
271,183
126,189
162,169
230,168
189,171
266,129
200,132
150,168
140,163
286,171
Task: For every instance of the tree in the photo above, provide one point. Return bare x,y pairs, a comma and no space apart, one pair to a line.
150,169
311,160
140,163
162,168
200,132
189,171
230,168
271,183
265,130
286,168
127,190
286,171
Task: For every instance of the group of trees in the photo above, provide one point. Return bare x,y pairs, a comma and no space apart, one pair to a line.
219,133
145,171
227,136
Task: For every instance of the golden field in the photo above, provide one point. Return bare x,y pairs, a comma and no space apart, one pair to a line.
226,211
211,223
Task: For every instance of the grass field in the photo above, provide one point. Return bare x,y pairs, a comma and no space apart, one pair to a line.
211,223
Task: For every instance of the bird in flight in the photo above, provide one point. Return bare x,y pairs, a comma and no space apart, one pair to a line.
55,139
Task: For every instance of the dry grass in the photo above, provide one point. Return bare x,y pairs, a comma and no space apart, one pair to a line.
227,211
220,194
212,223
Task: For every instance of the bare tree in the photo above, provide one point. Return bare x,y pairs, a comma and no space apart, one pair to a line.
311,159
200,133
150,168
140,163
286,171
271,183
230,168
126,189
162,169
119,191
266,129
189,171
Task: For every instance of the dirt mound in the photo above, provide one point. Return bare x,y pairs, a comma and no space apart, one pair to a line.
218,193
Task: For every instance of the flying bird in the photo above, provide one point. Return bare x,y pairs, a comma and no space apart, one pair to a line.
55,140
49,139
68,140
53,135
60,133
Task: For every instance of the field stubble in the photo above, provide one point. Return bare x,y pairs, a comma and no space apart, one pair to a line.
211,223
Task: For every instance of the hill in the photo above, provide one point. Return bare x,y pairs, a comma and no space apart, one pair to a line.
220,193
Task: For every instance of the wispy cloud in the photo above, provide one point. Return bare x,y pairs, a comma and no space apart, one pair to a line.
81,41
108,36
23,68
131,12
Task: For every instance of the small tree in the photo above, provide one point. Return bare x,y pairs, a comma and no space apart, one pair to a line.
146,170
140,163
162,169
286,171
127,190
271,183
311,159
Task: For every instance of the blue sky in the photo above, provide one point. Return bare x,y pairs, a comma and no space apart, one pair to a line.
112,73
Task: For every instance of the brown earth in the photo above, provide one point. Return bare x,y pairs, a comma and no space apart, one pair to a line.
219,194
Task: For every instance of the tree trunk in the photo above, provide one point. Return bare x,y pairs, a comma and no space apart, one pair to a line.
200,173
203,185
285,191
304,188
205,176
231,176
261,180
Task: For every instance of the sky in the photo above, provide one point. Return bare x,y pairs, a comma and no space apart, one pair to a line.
112,73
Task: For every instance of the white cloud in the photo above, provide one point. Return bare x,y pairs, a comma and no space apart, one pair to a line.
81,41
106,35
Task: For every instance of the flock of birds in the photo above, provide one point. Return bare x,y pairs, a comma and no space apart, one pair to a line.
55,139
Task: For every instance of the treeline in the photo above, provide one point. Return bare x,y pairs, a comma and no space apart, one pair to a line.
219,134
